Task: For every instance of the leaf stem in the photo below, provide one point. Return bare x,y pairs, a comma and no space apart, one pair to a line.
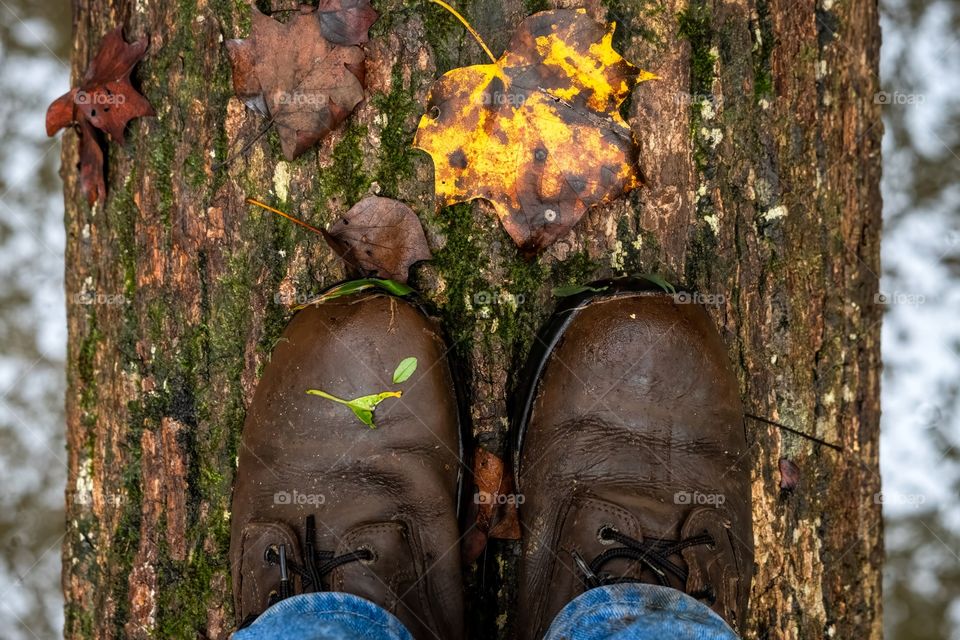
324,394
284,215
473,32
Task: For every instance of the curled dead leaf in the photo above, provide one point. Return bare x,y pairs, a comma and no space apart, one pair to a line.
789,474
494,507
538,133
379,237
104,100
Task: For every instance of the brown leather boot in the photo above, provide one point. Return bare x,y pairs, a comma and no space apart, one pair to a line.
324,502
632,459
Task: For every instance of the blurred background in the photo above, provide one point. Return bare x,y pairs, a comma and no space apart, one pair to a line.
920,285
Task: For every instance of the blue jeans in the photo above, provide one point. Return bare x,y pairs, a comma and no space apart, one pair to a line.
617,612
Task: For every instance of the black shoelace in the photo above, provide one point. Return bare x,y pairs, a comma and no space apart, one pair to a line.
316,565
652,553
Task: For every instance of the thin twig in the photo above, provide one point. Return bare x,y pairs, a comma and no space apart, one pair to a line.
285,215
794,431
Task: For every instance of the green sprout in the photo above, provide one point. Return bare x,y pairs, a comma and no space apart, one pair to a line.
364,406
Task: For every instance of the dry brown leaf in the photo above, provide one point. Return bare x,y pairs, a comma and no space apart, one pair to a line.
290,73
105,100
380,238
494,506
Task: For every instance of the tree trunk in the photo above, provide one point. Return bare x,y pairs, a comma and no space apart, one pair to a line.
761,148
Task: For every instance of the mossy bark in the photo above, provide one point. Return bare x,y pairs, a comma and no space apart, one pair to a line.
760,145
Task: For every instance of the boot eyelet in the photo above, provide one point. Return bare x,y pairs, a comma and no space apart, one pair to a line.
370,552
271,555
603,534
712,545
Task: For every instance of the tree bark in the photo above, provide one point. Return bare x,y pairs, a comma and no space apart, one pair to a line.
761,148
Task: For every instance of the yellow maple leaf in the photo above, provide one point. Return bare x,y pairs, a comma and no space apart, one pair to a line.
537,133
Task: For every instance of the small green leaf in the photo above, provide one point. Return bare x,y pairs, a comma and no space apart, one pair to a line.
574,289
363,406
658,280
365,415
370,402
355,286
404,370
394,287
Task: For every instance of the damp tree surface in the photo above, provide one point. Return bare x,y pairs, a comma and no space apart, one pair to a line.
760,148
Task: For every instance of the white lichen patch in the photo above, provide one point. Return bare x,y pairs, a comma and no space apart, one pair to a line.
707,112
617,255
777,212
821,69
713,137
281,180
848,395
763,190
84,484
714,223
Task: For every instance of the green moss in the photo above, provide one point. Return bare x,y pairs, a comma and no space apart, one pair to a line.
695,27
160,161
535,6
632,19
78,620
461,262
395,156
345,178
445,35
193,168
763,41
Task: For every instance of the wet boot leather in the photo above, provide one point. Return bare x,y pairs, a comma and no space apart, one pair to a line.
632,460
365,511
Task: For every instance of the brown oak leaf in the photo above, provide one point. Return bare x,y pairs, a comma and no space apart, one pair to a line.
537,133
292,74
105,100
379,237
